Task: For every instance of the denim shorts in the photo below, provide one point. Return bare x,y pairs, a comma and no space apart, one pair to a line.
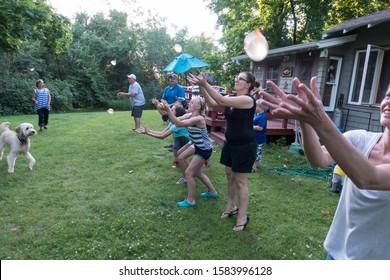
204,154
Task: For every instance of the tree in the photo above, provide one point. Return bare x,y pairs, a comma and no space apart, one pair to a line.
283,22
24,20
343,10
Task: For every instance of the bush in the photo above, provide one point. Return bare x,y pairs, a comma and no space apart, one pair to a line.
61,96
122,104
16,97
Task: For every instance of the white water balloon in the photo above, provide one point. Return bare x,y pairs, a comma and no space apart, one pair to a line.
256,46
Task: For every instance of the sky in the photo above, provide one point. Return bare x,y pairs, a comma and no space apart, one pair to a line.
191,13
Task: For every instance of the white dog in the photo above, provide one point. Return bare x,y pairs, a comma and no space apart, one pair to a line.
19,143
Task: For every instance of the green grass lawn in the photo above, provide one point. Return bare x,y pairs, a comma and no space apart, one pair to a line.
99,192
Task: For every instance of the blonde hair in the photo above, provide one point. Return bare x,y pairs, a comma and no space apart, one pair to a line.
258,103
202,104
262,106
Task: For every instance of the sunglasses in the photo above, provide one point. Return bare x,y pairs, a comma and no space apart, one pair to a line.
241,79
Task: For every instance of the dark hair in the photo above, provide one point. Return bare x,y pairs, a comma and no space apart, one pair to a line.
250,79
180,111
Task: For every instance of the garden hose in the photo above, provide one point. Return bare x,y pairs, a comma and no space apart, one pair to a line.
320,174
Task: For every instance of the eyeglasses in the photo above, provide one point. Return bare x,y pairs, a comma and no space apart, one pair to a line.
237,79
172,78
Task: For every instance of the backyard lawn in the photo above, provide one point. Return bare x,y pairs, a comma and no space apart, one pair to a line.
99,191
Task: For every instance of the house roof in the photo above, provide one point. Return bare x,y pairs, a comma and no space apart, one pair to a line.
322,44
350,25
336,36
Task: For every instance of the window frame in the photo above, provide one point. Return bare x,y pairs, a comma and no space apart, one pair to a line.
375,79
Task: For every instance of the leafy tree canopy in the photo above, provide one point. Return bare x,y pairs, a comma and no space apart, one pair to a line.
24,20
285,22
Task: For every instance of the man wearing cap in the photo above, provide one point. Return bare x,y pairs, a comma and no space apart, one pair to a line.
172,93
137,99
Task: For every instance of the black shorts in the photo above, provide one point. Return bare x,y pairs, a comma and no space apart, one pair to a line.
137,111
239,157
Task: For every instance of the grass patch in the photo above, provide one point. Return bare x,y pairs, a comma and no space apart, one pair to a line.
99,191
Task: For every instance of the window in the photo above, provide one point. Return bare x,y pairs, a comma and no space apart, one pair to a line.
259,74
384,79
272,74
305,70
370,76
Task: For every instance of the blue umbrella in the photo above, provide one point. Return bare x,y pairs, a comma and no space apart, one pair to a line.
185,62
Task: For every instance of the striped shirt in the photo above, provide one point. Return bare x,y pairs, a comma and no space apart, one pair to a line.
200,137
42,98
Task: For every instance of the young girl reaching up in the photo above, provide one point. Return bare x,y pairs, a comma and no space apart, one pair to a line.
197,129
180,136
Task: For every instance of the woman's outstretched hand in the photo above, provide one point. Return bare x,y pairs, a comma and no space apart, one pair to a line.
163,105
306,106
199,80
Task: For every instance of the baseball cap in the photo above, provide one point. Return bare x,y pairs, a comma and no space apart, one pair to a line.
132,76
173,76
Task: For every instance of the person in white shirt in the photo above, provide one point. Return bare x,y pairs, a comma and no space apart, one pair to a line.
137,100
361,225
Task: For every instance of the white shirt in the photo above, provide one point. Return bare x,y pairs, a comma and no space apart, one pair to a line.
361,225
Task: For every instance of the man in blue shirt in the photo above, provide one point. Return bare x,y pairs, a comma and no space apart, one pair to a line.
172,93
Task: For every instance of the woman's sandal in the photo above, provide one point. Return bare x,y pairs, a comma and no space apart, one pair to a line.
229,214
236,227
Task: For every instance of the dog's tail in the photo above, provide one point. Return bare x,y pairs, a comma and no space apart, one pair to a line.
4,126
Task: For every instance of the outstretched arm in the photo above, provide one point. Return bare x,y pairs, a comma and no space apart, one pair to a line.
157,134
213,98
317,155
307,107
181,122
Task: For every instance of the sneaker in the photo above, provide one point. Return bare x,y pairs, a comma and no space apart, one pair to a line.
45,127
168,146
175,164
209,195
333,191
181,181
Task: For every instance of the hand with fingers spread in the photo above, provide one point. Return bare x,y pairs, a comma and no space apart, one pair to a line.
155,101
305,106
199,80
163,105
